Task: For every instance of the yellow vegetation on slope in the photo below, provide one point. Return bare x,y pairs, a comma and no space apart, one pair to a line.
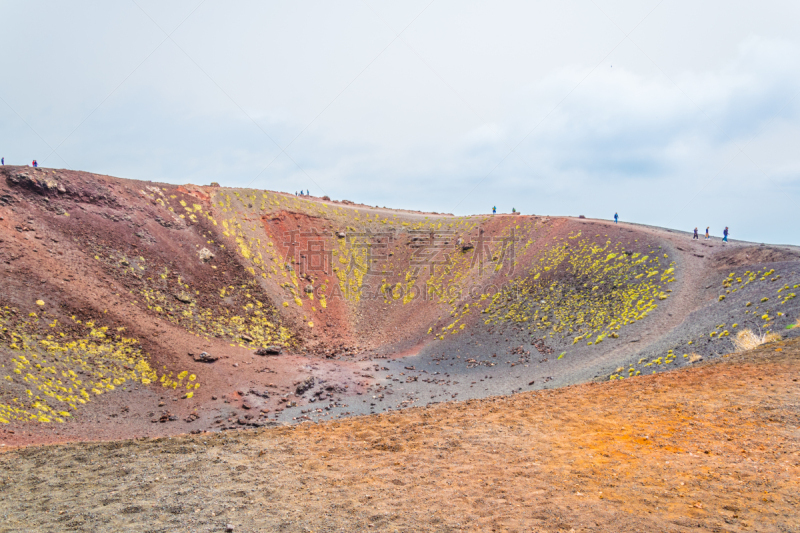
53,374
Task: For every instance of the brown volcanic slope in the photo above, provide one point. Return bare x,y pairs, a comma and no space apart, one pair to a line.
112,288
708,448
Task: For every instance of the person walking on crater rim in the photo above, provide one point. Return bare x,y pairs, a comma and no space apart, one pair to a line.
695,236
494,210
707,237
616,218
725,234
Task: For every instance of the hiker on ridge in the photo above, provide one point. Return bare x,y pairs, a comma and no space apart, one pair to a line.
616,218
725,234
707,237
494,210
695,236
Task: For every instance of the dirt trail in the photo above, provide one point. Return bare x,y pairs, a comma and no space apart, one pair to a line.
711,448
688,293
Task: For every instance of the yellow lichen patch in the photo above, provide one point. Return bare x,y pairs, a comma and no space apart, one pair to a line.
250,320
50,379
583,290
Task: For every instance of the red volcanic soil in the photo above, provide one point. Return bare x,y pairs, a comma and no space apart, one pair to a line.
161,273
709,448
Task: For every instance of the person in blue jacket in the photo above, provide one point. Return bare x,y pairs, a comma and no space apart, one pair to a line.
494,210
725,234
616,218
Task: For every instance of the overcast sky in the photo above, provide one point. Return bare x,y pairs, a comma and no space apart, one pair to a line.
675,113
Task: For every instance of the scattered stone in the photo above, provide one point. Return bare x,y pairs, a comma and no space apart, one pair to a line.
165,223
183,297
269,350
341,234
204,357
309,288
205,255
166,417
304,385
540,346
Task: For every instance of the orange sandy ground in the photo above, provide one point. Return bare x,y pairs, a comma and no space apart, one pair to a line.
710,448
